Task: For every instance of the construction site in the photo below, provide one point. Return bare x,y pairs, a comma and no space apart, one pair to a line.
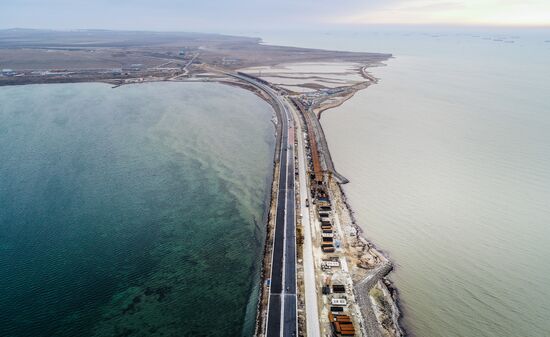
340,276
342,258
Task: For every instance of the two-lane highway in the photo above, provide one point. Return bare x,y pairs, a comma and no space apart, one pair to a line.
282,309
281,315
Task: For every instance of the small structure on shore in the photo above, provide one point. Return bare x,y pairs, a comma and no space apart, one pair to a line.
8,72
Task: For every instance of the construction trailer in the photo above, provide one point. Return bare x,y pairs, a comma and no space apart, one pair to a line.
327,248
338,288
342,325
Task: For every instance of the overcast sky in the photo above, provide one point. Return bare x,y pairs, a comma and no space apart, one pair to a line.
220,15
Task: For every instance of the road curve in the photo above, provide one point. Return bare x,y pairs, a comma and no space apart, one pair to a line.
282,309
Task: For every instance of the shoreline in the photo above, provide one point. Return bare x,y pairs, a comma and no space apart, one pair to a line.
390,293
382,282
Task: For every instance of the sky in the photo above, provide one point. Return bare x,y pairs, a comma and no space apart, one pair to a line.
227,15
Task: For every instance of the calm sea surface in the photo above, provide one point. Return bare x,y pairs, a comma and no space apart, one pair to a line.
131,211
449,162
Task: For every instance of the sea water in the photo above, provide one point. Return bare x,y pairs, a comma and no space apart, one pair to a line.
134,211
449,162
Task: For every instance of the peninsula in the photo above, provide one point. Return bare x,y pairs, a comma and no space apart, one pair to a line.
321,276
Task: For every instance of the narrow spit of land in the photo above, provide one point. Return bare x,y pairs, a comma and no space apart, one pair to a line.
341,285
320,275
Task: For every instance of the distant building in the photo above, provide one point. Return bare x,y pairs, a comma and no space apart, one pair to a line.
229,61
133,67
8,72
181,52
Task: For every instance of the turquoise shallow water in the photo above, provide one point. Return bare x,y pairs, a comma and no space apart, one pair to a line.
130,211
449,162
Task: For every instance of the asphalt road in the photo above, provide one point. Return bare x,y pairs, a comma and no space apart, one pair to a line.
282,319
281,316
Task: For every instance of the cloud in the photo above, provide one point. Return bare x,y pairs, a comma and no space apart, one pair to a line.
489,12
168,14
439,6
224,15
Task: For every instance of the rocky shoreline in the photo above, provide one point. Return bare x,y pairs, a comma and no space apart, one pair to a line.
386,304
